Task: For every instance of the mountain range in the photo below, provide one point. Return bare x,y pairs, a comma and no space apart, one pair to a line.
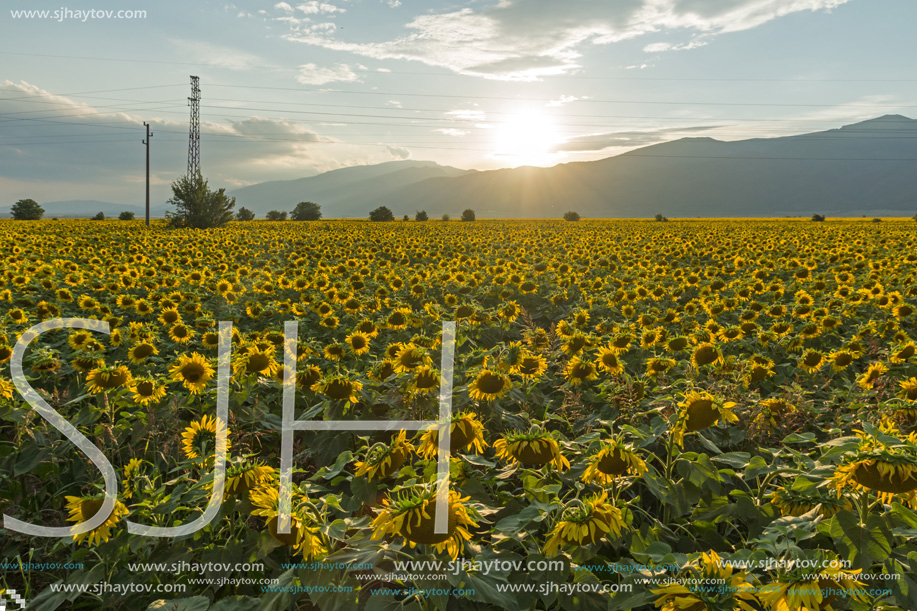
867,168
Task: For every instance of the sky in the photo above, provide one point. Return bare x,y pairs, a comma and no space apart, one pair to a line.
292,89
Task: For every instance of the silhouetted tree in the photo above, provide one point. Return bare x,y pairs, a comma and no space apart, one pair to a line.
571,216
197,206
274,215
126,216
26,210
99,217
306,211
660,218
382,213
421,216
244,214
818,218
468,215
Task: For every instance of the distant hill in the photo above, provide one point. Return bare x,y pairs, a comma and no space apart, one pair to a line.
351,191
863,169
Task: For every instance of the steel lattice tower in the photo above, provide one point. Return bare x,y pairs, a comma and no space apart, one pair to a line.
194,135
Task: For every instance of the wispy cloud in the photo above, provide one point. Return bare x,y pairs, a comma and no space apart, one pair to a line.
530,39
311,74
602,141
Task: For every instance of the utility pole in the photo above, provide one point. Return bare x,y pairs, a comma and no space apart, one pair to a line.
194,133
149,135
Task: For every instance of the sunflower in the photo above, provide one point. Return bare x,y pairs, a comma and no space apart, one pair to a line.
887,466
812,361
82,509
535,448
773,410
657,365
797,588
107,378
578,371
358,342
146,390
384,460
133,476
424,382
489,386
200,437
398,318
254,360
411,513
466,430
304,536
6,389
840,359
5,353
193,371
612,461
243,475
180,333
169,317
902,353
735,592
584,523
339,388
793,502
79,339
706,354
529,366
868,380
410,357
908,390
700,410
608,361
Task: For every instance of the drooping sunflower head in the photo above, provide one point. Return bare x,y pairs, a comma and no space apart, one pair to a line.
199,438
772,411
339,388
883,462
796,587
585,522
411,513
383,460
303,536
798,501
244,475
466,431
534,448
700,410
83,508
612,461
735,593
104,378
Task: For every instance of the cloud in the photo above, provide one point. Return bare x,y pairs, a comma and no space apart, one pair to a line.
598,142
283,6
217,55
526,40
398,152
314,8
451,131
661,47
310,74
565,99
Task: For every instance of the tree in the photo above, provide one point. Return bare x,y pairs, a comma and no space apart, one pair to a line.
126,216
307,211
421,216
445,217
197,206
26,210
406,218
382,213
99,217
571,216
660,218
468,215
915,217
273,215
244,214
818,218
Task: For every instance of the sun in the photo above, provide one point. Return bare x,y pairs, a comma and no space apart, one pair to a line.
526,137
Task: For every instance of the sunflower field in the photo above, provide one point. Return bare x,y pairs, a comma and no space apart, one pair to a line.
682,416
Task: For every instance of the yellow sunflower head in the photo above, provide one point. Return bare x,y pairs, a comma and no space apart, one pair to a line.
489,385
85,507
534,448
411,513
304,537
193,371
466,431
104,378
584,522
199,439
700,410
384,460
612,461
